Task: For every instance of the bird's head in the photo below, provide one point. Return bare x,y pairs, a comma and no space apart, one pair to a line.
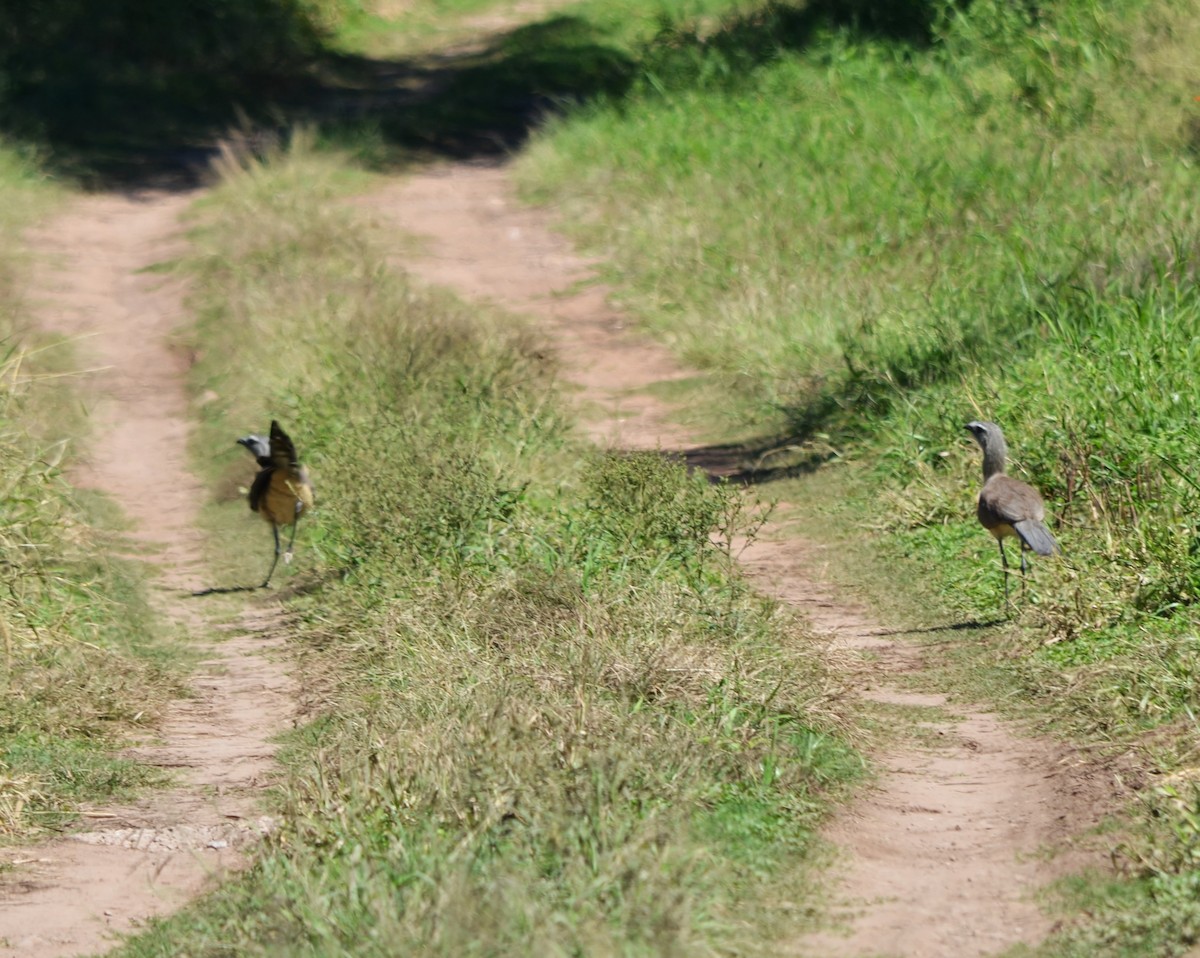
258,446
983,432
991,441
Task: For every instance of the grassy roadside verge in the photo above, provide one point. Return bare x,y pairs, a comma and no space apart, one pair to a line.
80,669
873,235
548,719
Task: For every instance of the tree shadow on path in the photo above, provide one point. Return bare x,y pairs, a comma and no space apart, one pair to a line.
139,92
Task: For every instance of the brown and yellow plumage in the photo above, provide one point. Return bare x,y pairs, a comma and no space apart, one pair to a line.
282,490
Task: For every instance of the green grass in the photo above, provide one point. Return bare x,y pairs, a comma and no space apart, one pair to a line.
550,720
877,228
385,28
548,717
855,213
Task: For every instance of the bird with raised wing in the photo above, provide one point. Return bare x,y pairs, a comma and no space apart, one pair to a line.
282,489
1008,506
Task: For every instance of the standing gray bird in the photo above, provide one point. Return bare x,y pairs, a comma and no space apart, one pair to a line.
282,490
1008,506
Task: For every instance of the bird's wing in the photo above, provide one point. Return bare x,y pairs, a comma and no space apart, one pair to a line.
258,488
1011,500
258,446
1033,533
283,453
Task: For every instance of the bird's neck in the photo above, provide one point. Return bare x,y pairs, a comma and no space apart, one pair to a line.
994,458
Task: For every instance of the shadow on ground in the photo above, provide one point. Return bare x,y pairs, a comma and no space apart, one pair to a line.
139,92
753,464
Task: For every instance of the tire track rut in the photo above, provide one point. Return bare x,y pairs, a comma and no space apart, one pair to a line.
75,895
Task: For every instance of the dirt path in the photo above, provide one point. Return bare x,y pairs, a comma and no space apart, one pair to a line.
944,856
941,859
69,897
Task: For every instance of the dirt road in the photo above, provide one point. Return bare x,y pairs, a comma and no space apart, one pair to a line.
941,859
71,896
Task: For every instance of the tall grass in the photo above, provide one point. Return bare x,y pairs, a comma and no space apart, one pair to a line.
838,215
881,233
547,719
78,671
882,238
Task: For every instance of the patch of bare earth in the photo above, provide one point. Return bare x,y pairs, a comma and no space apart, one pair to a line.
944,856
75,895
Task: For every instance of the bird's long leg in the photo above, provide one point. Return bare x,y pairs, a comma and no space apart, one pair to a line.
275,561
1004,573
287,555
1023,548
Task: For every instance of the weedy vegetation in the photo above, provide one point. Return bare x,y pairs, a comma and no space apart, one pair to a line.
547,717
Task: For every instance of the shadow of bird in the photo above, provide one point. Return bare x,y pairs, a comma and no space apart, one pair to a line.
282,490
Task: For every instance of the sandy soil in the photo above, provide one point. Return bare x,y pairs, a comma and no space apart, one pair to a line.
943,858
72,896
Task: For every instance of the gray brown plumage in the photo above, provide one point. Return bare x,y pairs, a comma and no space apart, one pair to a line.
282,489
1008,506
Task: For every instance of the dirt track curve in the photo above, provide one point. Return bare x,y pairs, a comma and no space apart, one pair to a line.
71,897
944,857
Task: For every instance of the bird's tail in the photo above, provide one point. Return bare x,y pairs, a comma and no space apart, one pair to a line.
1034,534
